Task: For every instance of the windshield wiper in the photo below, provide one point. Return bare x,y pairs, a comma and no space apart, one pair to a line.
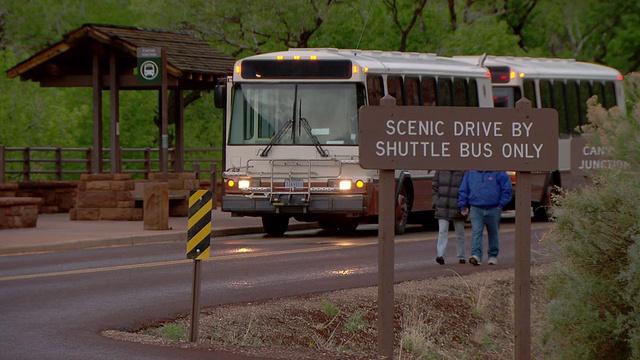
277,137
314,138
291,124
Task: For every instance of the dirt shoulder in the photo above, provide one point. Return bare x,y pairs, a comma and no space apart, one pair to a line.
453,317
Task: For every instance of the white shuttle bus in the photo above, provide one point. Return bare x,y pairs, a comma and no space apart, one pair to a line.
562,84
291,132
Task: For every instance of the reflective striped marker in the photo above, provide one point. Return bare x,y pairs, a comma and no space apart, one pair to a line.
199,226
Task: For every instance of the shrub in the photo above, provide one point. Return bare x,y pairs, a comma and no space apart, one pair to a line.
594,310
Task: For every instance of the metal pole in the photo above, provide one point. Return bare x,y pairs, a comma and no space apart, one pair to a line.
164,142
195,301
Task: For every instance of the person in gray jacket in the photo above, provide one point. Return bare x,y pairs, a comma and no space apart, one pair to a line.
445,201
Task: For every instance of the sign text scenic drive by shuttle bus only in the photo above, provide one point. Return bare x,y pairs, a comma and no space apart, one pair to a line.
458,138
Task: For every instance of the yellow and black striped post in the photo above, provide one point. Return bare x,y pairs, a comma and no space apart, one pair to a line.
199,226
198,247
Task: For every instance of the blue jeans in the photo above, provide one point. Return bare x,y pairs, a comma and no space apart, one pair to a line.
479,219
443,236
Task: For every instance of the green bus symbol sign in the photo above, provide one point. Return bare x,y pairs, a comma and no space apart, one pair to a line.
149,65
149,70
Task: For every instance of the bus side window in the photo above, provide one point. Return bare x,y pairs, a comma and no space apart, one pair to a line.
444,92
598,89
374,89
460,92
530,92
472,93
559,103
412,85
584,95
546,94
429,91
394,86
573,108
609,94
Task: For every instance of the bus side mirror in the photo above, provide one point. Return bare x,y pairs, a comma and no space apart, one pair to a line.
220,96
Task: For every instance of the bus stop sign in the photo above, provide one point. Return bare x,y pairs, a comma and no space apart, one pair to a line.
458,138
149,65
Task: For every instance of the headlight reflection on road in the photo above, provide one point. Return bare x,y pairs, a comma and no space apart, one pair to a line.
242,250
343,272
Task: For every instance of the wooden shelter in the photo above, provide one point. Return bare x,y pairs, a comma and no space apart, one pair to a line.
105,57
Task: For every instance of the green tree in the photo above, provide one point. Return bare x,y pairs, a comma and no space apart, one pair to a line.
591,30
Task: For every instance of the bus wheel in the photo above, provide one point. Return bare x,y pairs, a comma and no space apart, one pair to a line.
328,224
402,211
275,225
348,225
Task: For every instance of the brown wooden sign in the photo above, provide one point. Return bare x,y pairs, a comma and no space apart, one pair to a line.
586,157
458,138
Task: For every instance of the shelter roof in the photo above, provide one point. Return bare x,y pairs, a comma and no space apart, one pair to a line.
189,60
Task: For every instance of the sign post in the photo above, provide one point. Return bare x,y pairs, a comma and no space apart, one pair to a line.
386,255
152,69
198,247
458,138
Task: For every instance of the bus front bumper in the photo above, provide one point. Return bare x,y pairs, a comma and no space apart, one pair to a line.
294,204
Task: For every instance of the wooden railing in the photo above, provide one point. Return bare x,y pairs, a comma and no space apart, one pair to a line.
55,163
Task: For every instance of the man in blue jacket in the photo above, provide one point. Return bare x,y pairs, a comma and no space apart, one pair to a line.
482,195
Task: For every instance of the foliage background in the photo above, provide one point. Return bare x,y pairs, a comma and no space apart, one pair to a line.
599,31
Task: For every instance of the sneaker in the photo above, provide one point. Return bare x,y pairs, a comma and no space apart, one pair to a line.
474,260
440,260
462,261
493,261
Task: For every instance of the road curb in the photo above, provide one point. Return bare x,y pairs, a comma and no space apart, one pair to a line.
129,240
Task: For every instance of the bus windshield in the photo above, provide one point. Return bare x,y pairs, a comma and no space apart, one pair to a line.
301,114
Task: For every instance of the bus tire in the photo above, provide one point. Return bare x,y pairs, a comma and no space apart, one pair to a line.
275,225
348,225
328,224
402,211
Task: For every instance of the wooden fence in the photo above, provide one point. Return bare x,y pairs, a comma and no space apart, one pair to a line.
55,163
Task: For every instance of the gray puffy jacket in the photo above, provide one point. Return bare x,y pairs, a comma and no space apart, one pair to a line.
445,194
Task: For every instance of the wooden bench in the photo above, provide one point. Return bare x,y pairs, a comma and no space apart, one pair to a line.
178,203
19,212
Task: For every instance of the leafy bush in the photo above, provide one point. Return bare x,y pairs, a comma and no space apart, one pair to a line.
594,310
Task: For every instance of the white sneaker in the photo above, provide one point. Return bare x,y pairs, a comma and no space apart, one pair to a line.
474,260
493,261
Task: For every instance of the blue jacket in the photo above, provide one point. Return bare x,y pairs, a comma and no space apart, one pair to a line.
485,189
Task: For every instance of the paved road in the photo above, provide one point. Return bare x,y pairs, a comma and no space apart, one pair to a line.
54,305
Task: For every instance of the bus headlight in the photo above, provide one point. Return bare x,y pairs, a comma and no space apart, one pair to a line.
344,185
243,183
248,183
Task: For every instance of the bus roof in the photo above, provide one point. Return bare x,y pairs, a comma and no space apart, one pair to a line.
543,68
386,62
